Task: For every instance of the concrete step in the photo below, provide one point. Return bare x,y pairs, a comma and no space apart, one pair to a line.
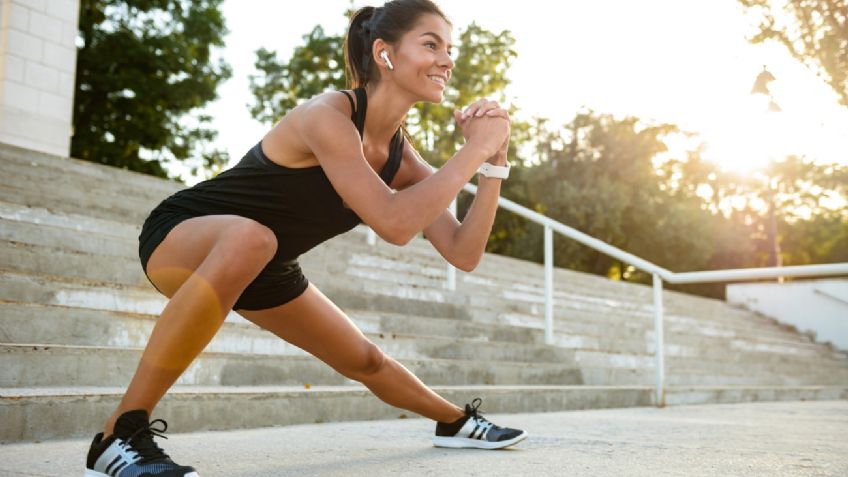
63,291
86,227
490,273
422,254
752,365
20,174
677,376
40,260
93,203
54,325
485,307
62,366
37,414
11,156
373,264
58,366
27,323
128,299
127,271
42,227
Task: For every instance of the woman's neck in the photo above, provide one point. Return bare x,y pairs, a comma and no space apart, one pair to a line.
387,109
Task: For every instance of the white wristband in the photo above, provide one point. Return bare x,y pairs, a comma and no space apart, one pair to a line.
491,170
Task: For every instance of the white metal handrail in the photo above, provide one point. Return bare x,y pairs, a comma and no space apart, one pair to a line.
659,275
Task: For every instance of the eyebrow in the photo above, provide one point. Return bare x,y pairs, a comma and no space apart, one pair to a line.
438,38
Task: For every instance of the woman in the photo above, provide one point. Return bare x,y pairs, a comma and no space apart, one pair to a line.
232,242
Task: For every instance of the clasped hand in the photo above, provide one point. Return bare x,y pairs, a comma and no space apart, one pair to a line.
487,122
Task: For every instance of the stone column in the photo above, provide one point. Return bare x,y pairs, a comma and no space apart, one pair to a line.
37,64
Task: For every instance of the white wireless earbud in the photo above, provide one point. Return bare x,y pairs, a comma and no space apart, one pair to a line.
385,56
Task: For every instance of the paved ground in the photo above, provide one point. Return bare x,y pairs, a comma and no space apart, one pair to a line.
768,439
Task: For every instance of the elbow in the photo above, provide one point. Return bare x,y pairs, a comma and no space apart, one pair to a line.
467,265
398,239
396,234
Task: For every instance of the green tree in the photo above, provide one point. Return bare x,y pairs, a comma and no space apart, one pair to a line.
597,175
144,67
314,67
814,31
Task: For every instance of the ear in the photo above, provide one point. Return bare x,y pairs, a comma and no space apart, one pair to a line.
378,46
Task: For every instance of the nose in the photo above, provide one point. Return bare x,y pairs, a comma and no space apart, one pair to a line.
446,61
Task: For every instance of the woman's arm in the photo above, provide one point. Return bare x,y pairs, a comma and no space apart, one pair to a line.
395,216
462,244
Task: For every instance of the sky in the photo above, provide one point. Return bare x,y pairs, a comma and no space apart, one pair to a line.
685,62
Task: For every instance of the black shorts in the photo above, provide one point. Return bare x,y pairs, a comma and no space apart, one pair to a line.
280,282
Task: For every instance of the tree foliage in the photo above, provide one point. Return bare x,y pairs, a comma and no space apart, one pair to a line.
814,31
143,66
597,175
614,180
314,67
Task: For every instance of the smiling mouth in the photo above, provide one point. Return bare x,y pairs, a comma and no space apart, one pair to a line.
438,79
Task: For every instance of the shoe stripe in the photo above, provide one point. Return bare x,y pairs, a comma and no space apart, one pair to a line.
483,432
114,461
471,436
120,468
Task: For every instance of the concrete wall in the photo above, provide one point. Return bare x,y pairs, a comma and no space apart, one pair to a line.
37,66
820,306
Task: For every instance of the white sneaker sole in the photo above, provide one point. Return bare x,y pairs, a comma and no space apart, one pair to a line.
94,473
466,443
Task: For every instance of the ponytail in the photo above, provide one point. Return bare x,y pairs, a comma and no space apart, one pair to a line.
357,47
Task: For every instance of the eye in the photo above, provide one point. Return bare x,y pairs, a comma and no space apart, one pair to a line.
429,44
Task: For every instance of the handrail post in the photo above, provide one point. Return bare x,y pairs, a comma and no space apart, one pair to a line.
451,271
549,285
659,339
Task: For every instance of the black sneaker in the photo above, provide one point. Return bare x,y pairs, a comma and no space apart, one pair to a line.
474,431
130,451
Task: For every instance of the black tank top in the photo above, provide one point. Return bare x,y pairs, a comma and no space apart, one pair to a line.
299,205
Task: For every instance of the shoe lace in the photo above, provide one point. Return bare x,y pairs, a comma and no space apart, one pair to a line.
474,411
144,445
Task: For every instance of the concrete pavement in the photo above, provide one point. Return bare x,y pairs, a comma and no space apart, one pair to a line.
752,439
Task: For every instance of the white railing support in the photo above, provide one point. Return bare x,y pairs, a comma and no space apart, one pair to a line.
759,273
549,285
451,271
372,237
660,341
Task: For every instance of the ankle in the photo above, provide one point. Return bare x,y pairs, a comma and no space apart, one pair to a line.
459,414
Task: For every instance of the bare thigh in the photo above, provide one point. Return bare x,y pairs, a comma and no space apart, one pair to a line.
191,242
315,324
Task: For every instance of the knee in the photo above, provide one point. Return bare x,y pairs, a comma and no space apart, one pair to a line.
254,241
369,361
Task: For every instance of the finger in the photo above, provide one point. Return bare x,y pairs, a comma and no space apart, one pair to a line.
499,110
486,107
497,113
472,109
457,116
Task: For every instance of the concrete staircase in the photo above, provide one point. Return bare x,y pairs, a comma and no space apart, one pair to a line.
76,310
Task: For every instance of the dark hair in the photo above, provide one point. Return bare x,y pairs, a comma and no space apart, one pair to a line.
388,22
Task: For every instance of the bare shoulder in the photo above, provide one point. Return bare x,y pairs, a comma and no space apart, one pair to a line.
335,100
323,117
285,143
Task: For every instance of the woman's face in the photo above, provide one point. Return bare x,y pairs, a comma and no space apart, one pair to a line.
422,59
